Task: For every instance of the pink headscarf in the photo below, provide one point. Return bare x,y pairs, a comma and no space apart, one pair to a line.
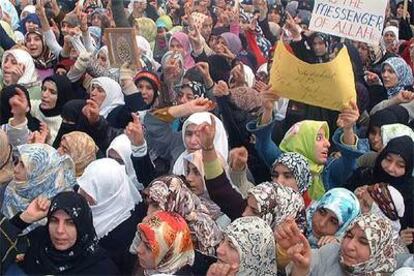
182,38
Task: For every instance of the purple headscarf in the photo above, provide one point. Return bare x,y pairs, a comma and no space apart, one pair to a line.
233,42
182,38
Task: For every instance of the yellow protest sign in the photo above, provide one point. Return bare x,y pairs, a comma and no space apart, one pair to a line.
330,85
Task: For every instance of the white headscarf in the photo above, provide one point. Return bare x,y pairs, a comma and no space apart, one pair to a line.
27,10
122,145
145,47
114,96
220,139
108,184
23,57
389,132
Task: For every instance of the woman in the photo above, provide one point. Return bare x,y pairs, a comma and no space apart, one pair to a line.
56,91
393,165
292,170
274,203
248,249
107,94
38,169
149,85
18,68
116,207
396,76
192,142
43,58
6,95
367,249
180,43
170,193
165,245
68,243
328,218
80,147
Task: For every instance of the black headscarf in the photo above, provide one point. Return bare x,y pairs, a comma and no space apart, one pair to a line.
5,108
402,146
395,114
219,68
64,92
71,115
43,258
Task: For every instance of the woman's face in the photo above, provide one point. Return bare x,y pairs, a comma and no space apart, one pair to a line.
251,209
400,11
191,138
324,223
185,95
64,147
394,165
31,25
194,179
206,28
319,47
283,176
10,70
147,92
274,16
363,52
145,254
389,77
228,254
102,59
96,20
389,38
34,44
355,247
49,95
375,139
176,46
97,94
62,230
220,45
321,147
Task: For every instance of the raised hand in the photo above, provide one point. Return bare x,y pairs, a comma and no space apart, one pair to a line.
207,132
199,105
39,137
404,97
91,112
36,210
135,132
291,25
219,269
372,78
19,105
349,116
238,158
407,235
221,89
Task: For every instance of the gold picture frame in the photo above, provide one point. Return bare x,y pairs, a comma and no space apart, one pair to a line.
122,46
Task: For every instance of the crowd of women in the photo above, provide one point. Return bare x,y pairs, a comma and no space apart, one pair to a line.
187,162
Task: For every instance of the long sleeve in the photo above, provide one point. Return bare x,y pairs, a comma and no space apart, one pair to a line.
144,169
121,21
87,41
17,135
52,43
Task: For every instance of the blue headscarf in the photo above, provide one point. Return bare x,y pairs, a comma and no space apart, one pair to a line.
48,174
342,202
403,72
31,17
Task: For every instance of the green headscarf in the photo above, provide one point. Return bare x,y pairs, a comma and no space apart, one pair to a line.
301,138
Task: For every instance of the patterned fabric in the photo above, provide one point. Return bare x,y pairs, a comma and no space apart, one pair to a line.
48,174
254,241
262,42
403,72
342,202
81,148
277,203
6,167
379,235
301,138
298,166
170,241
246,99
114,96
198,89
171,194
108,184
392,131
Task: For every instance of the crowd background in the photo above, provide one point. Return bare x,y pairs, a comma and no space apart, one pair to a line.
187,162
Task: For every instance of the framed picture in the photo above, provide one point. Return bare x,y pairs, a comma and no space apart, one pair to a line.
122,46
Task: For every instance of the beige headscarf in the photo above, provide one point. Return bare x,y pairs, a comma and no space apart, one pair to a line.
6,167
82,149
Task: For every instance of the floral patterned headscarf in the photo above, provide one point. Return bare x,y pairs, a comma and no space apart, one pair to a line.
253,239
170,241
379,235
276,203
403,72
171,194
